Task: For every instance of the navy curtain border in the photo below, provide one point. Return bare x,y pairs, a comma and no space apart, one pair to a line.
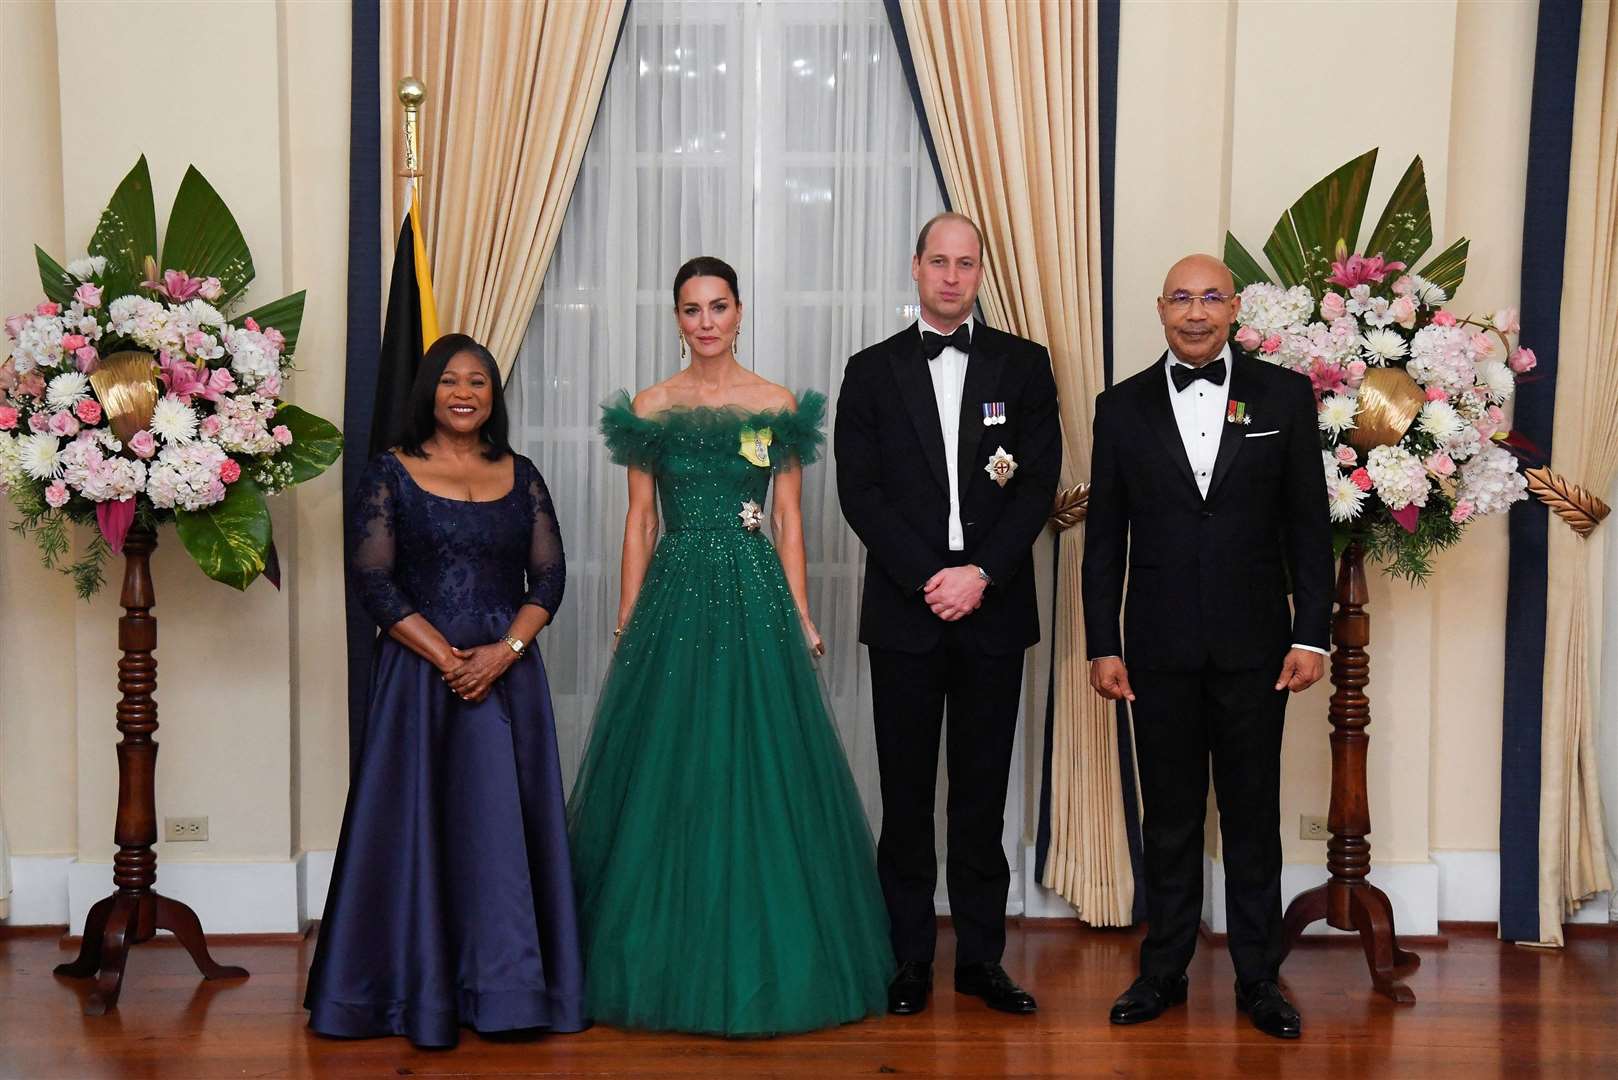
896,23
1550,149
364,319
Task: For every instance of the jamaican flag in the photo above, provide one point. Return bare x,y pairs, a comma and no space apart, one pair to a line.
408,331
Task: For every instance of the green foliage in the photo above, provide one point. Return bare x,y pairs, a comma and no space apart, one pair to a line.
1243,267
127,232
229,539
1404,232
204,239
1448,268
1409,555
1304,240
53,279
316,443
285,314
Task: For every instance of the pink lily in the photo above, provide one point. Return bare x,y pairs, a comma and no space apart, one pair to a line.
182,377
1360,269
177,285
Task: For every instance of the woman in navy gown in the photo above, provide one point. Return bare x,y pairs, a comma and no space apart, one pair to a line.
451,900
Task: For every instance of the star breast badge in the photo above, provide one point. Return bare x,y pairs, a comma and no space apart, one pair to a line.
1001,466
752,515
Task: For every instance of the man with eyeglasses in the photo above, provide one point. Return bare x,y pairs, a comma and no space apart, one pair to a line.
1206,489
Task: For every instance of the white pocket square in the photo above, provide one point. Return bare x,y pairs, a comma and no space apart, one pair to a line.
1261,434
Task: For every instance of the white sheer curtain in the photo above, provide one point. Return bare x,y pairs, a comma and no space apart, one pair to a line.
781,137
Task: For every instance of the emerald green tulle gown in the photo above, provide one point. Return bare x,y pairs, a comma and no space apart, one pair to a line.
725,871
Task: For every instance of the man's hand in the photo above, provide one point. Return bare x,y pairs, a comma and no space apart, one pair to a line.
954,592
478,669
1110,679
1300,670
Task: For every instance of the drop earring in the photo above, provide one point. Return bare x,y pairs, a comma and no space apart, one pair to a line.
682,348
735,341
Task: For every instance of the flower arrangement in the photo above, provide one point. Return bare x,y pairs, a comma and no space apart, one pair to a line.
1414,438
134,396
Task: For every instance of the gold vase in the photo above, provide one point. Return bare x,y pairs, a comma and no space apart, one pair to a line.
126,385
1389,402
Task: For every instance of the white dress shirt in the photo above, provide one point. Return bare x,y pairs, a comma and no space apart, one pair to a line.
1199,412
948,370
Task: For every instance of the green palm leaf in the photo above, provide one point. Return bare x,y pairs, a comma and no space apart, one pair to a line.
1305,238
1448,268
56,282
1404,232
204,240
285,314
127,232
1243,267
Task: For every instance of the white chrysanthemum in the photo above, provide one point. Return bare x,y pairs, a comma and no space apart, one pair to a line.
1491,481
67,390
1496,377
1337,413
1398,476
1425,292
174,421
40,456
1382,346
88,267
121,312
1344,500
201,313
1440,420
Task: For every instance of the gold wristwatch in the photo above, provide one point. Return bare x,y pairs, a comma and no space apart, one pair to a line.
517,644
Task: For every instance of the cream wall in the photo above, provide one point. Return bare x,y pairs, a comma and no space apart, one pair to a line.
1229,111
251,685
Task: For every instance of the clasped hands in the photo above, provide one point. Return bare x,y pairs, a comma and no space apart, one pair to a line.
1300,670
471,673
954,592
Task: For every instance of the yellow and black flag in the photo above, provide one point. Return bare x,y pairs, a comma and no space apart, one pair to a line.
408,331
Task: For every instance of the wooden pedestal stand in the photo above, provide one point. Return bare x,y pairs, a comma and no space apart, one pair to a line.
1347,901
135,912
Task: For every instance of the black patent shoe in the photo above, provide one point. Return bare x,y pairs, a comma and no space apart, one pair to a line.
990,982
907,993
1269,1009
1147,998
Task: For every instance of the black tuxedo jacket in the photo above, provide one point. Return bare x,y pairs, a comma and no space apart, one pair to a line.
893,482
1207,578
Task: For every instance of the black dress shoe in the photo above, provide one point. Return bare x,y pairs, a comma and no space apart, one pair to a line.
907,993
991,983
1269,1009
1147,997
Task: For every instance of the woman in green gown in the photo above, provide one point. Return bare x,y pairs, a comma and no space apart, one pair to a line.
725,871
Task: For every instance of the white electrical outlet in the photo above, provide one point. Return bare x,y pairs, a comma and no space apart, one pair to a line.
181,829
1310,827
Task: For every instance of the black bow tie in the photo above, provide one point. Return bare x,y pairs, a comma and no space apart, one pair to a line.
1184,376
933,344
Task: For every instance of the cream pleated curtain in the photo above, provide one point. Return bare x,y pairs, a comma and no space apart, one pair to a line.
1572,857
1010,91
512,90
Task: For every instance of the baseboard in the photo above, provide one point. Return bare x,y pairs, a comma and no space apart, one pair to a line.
1412,888
38,890
1469,891
314,882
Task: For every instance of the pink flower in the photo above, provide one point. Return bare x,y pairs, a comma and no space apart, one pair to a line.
31,385
182,377
1347,455
1327,377
275,337
142,444
1403,286
210,289
1482,345
1403,310
39,424
73,341
63,425
177,285
1333,307
88,411
1440,464
1463,511
1271,345
1359,270
220,382
8,417
251,324
210,426
1248,338
89,295
15,323
229,471
195,342
1356,373
1443,318
1436,393
1360,479
1523,360
270,387
86,359
56,495
48,309
282,434
1506,321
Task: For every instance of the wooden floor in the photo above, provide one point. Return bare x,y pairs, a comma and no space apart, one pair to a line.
1484,1010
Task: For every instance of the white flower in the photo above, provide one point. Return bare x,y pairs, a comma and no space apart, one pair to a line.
1496,377
174,421
1442,356
1440,420
1337,413
88,267
1491,482
10,468
201,313
186,476
1271,309
39,344
1330,464
1382,346
1426,292
1398,476
39,456
1377,311
67,390
1344,500
252,356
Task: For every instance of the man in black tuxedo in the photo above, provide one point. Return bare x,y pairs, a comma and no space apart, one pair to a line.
1206,484
948,454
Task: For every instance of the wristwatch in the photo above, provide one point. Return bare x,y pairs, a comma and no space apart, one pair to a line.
516,644
983,574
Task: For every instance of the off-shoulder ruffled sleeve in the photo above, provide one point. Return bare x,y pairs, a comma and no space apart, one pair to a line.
799,435
631,440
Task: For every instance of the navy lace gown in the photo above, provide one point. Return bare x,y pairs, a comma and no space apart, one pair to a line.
451,900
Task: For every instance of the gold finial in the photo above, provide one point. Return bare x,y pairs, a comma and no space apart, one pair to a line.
411,95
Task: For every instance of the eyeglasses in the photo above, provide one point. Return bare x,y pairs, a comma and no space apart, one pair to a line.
1180,300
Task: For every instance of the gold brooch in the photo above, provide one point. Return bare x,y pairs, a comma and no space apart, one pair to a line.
1000,467
752,516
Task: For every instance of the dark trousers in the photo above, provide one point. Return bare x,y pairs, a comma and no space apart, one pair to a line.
1181,720
909,692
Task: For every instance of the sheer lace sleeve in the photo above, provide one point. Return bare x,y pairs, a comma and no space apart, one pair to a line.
547,566
371,543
